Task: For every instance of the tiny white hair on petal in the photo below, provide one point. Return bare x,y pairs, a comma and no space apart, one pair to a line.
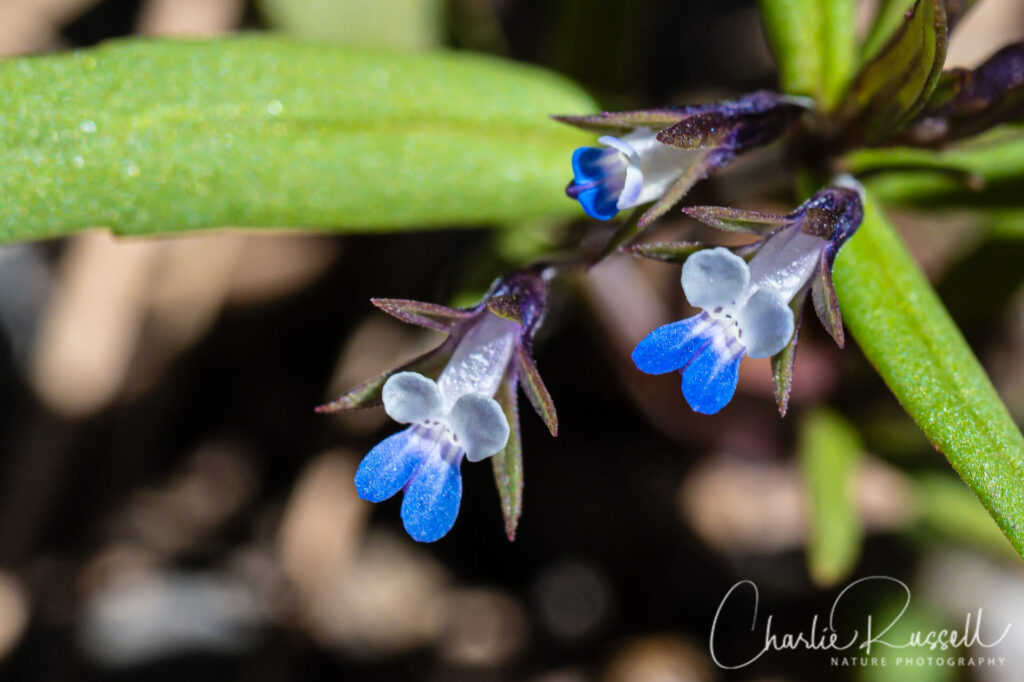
714,277
411,398
767,324
480,426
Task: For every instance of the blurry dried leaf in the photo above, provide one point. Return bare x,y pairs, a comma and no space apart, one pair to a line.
322,523
275,266
189,17
406,24
90,330
482,627
14,613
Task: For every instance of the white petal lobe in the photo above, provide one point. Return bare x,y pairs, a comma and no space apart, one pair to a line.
766,322
479,425
411,398
715,277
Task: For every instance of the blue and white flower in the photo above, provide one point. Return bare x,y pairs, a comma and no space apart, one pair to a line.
468,413
655,156
628,171
453,418
748,308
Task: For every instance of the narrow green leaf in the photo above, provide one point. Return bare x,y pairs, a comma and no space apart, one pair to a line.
814,44
985,171
830,453
888,20
794,33
1006,224
839,39
158,136
508,464
994,156
904,330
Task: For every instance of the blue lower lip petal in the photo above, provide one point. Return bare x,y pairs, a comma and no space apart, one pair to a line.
598,204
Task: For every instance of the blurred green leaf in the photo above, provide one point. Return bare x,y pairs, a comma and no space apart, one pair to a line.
888,19
814,44
906,333
1006,224
158,136
946,507
986,170
994,156
893,85
919,617
830,453
411,24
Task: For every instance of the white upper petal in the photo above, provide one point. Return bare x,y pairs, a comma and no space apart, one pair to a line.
766,323
653,166
715,277
411,398
479,425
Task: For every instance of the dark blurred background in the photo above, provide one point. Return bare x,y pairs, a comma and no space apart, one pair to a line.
171,507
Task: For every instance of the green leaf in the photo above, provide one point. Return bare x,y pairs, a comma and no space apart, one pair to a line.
814,44
896,83
888,20
409,24
908,622
830,453
1006,224
159,136
945,507
984,171
839,35
904,330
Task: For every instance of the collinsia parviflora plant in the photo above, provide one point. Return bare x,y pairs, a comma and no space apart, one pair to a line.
897,110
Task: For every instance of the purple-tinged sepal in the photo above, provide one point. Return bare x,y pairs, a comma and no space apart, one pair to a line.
750,308
654,157
468,412
782,362
430,315
967,102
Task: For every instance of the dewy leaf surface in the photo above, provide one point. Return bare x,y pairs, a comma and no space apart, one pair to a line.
157,136
904,330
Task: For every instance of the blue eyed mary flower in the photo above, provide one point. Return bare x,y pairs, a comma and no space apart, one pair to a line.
655,156
468,413
750,309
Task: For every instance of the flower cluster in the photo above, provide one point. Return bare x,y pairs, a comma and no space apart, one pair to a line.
748,299
648,160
